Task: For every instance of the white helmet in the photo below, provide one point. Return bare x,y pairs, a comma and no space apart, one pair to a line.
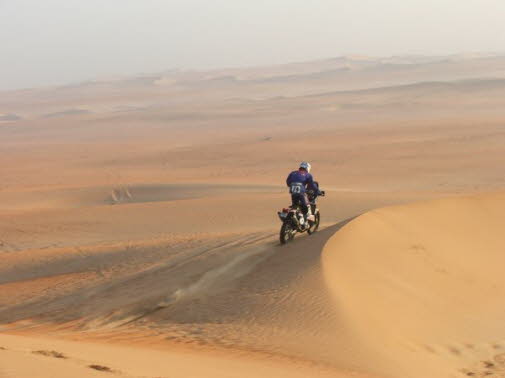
305,165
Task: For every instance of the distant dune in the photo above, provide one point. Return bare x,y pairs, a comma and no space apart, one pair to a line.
9,117
288,80
68,112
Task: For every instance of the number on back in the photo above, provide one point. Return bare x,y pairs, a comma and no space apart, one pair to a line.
296,188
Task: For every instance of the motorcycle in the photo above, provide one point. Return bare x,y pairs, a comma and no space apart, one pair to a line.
293,220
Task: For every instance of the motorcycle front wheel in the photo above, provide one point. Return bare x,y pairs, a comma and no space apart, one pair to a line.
287,233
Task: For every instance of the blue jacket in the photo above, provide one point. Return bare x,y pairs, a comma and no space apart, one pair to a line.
300,181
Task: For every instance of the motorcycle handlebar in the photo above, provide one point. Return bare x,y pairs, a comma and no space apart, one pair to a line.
311,193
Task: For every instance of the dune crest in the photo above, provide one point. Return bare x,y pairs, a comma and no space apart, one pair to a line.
422,285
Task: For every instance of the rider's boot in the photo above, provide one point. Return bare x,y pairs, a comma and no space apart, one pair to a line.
310,216
302,219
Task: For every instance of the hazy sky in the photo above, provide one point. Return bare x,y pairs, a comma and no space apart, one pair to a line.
60,41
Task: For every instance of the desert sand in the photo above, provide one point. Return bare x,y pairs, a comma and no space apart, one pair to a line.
138,226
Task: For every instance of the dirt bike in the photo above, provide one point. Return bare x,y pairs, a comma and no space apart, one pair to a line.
293,220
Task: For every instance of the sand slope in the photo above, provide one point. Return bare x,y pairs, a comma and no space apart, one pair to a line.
422,286
234,305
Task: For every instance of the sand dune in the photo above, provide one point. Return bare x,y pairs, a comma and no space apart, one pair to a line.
421,285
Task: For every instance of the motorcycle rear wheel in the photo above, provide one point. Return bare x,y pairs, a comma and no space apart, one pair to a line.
287,233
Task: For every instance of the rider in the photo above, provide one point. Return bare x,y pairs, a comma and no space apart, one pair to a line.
299,182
